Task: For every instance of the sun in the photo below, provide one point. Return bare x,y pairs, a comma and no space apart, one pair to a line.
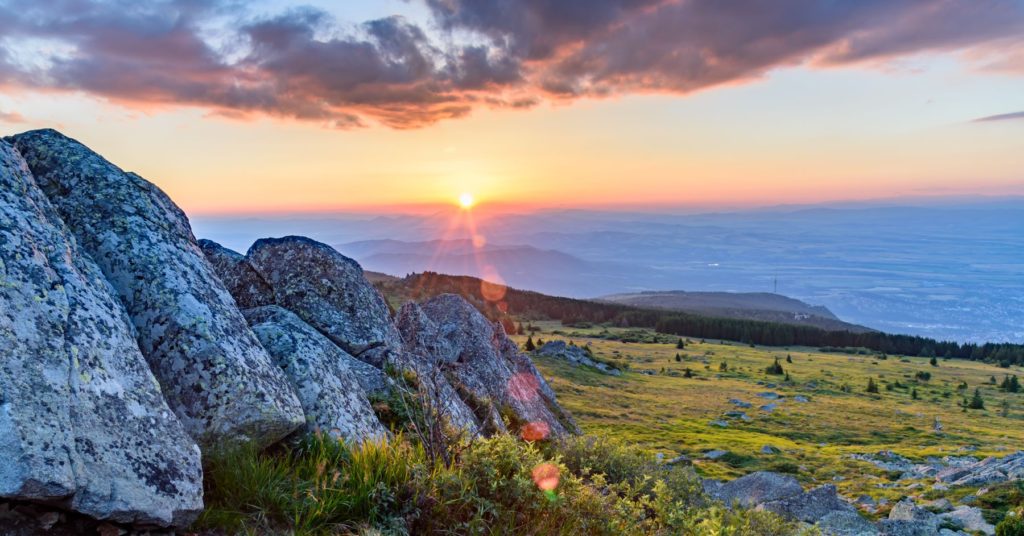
466,200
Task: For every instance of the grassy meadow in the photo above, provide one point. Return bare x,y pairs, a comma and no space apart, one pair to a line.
671,414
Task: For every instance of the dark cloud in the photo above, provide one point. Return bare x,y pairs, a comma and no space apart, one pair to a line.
495,53
1000,117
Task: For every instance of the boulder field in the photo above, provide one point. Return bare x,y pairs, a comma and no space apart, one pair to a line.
127,346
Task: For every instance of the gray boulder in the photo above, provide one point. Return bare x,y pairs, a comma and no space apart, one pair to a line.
576,356
246,286
484,366
846,523
322,301
320,372
756,488
327,290
82,420
213,372
969,518
906,518
810,507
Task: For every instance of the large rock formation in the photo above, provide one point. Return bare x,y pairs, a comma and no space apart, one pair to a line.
576,356
320,372
484,366
327,290
466,366
215,375
82,419
234,270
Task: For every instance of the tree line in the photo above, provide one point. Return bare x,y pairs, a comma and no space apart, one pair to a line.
523,304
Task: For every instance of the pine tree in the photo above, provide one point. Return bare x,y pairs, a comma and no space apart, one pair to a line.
976,401
872,386
933,362
913,394
688,373
723,366
529,346
787,377
680,345
679,358
775,368
789,358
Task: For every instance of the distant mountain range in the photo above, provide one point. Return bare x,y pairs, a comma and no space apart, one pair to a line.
946,270
552,272
543,270
743,305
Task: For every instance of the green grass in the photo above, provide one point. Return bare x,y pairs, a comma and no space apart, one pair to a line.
670,414
316,487
500,485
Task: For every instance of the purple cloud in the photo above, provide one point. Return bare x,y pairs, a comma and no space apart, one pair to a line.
301,65
1000,117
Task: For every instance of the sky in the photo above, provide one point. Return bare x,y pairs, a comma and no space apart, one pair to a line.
385,105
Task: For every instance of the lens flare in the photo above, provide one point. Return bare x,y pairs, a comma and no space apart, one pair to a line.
546,476
492,286
535,431
466,200
523,387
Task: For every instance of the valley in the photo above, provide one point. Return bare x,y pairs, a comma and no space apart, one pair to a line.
652,404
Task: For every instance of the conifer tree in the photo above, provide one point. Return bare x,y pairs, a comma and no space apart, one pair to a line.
976,401
529,346
872,386
680,344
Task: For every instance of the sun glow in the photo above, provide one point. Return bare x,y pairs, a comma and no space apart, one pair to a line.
466,200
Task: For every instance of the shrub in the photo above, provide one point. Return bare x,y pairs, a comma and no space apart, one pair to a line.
976,401
1011,525
775,368
500,485
317,486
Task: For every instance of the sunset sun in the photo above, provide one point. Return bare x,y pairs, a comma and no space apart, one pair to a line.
466,200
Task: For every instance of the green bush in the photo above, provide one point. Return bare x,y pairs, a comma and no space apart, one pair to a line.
319,485
1012,525
500,485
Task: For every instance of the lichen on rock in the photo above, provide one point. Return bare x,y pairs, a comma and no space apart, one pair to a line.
321,373
82,419
214,374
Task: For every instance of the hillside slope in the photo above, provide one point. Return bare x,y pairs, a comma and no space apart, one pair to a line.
744,305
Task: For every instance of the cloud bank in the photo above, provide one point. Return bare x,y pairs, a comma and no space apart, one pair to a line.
303,64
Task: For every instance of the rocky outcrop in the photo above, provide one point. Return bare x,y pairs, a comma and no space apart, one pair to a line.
82,420
327,290
576,356
951,470
484,366
906,518
783,495
844,523
238,276
320,372
754,489
213,372
811,506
